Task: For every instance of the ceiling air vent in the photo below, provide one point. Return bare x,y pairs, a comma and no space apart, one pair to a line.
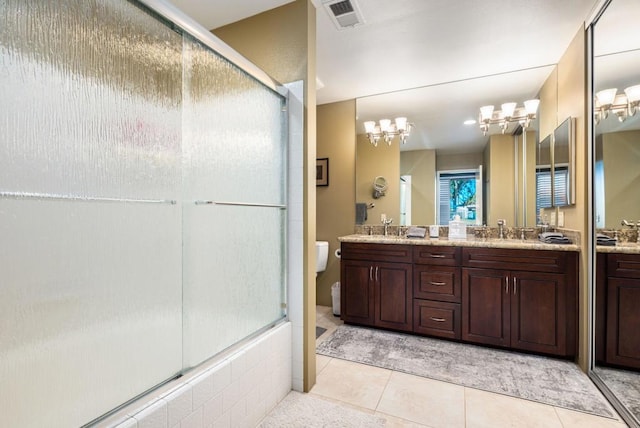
343,13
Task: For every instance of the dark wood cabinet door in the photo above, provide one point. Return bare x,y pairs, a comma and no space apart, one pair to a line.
393,296
538,312
357,295
485,306
623,319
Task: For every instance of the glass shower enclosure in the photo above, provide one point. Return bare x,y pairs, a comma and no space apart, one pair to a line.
142,205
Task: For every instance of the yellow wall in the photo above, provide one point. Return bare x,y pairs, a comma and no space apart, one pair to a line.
529,167
335,207
277,41
567,86
459,161
499,178
621,156
503,182
384,161
548,110
282,42
421,166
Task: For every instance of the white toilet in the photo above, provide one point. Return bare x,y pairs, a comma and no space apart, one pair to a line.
322,254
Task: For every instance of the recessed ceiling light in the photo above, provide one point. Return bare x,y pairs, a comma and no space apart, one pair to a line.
470,122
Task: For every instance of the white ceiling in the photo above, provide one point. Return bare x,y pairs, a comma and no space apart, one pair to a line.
216,13
442,47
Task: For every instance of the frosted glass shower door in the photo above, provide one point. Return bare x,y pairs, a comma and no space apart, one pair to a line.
234,216
90,254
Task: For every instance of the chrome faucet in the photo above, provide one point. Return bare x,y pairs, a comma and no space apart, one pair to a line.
386,222
522,232
635,226
501,224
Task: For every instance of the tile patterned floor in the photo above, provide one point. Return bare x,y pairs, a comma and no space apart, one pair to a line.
412,401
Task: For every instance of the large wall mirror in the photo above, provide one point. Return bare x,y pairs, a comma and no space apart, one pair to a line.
616,66
496,172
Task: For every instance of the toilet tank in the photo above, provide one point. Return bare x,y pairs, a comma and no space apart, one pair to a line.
322,254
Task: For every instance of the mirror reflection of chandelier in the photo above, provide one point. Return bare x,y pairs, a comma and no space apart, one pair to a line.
510,113
388,130
622,105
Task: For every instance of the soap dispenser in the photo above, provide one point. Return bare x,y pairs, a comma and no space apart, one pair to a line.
457,228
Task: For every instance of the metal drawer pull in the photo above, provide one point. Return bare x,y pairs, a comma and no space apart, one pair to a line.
437,256
370,273
515,285
376,273
437,319
506,284
437,284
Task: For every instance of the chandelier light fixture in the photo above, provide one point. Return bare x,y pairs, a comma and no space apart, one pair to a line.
622,105
510,113
388,130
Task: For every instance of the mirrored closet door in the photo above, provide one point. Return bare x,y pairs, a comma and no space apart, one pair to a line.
616,206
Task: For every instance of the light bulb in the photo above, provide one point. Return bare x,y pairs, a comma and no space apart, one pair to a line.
531,106
633,93
485,113
606,97
369,127
508,109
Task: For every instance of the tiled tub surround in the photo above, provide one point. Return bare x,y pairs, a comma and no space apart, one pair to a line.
237,391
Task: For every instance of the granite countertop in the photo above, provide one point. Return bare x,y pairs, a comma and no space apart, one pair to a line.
621,247
527,244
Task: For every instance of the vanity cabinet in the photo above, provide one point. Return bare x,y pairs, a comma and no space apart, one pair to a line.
520,299
623,316
512,298
437,291
376,285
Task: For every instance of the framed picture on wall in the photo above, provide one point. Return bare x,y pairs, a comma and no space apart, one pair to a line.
322,172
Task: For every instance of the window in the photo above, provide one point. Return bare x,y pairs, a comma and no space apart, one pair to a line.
543,187
459,192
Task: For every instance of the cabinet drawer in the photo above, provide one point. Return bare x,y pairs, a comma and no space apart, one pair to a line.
376,252
623,265
434,255
440,319
440,283
514,259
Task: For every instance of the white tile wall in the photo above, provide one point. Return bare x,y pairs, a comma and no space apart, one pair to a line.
295,236
237,392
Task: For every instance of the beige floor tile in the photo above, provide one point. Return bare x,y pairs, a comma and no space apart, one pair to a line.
489,410
329,322
424,401
345,405
325,323
352,383
321,363
394,422
323,310
571,419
